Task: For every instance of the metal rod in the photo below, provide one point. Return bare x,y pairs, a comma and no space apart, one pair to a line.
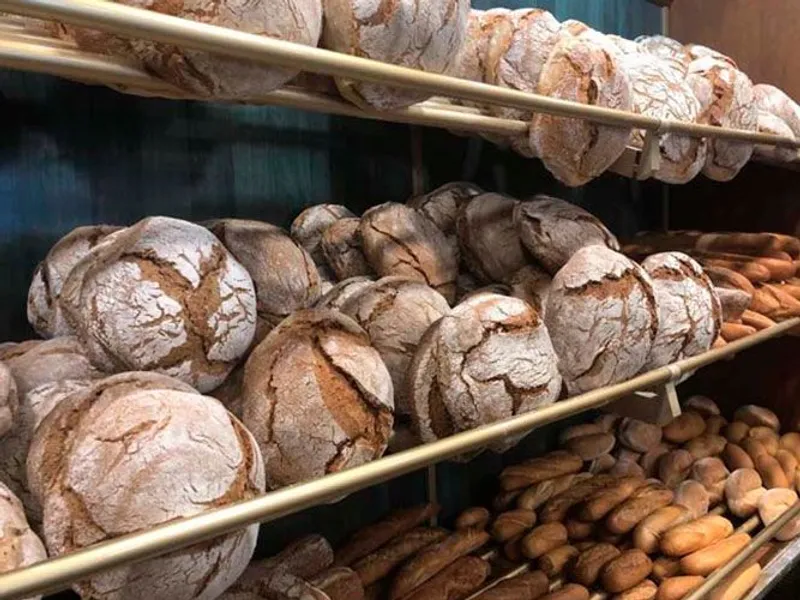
520,570
57,573
762,538
141,23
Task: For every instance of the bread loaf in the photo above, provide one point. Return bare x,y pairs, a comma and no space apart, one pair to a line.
666,48
638,435
543,539
715,424
771,472
381,562
736,432
711,472
528,586
553,230
689,311
583,70
767,437
789,465
791,441
275,584
647,535
578,531
709,559
9,400
770,124
395,312
599,285
476,517
306,558
646,590
555,561
428,40
645,501
589,564
772,504
693,495
531,284
695,535
737,585
400,241
284,274
443,204
775,102
311,223
589,447
603,501
757,416
92,492
512,523
676,588
342,414
556,508
569,591
650,460
734,303
343,248
706,445
684,427
44,310
339,583
454,582
674,467
626,571
664,568
19,545
339,294
489,359
743,489
490,243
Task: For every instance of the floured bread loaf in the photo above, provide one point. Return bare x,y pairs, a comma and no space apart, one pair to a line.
165,295
400,241
581,69
344,250
697,51
772,100
395,312
661,91
443,204
340,293
666,48
490,244
602,317
309,225
19,545
489,359
769,123
532,284
44,311
284,274
689,310
118,459
298,21
730,104
9,401
420,35
317,397
553,230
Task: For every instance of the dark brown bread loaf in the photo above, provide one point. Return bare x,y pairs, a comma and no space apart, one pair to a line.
589,564
528,586
454,582
626,571
339,583
343,249
309,225
378,564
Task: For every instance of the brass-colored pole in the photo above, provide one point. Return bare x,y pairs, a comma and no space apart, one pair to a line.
57,573
141,23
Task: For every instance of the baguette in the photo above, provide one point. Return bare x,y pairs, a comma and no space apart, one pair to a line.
753,272
729,279
476,517
779,270
603,501
709,559
374,536
736,585
554,563
512,523
587,567
339,583
456,581
380,563
543,539
626,571
731,332
644,501
749,243
695,535
756,320
676,588
432,559
647,535
539,469
772,302
528,586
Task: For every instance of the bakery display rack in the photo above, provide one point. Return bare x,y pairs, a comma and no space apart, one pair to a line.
24,50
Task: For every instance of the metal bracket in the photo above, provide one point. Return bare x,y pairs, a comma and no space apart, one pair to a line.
650,157
657,406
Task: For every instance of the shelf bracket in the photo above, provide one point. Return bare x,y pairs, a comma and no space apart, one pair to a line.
650,157
658,406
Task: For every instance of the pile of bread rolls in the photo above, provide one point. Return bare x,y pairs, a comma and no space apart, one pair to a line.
755,274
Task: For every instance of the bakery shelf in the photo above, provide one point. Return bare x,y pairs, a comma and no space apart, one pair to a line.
57,573
141,23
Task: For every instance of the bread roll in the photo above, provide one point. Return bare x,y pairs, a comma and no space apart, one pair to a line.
695,535
555,561
757,416
647,535
789,465
556,508
343,248
275,584
589,564
650,460
379,563
772,504
573,150
603,501
162,295
734,303
676,588
664,568
539,493
706,445
791,441
638,435
339,583
91,491
737,585
715,424
512,523
306,558
589,447
284,274
428,40
743,489
489,359
771,472
775,102
768,438
489,240
531,284
454,582
528,586
19,545
712,473
311,223
770,124
339,294
693,495
674,467
317,397
400,241
580,430
703,405
395,312
646,590
600,285
569,591
44,310
602,464
644,501
736,431
684,427
626,571
709,559
543,539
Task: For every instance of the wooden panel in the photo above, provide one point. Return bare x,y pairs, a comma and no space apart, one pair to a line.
760,35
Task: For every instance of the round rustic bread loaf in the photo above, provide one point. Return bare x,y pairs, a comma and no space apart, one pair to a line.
343,248
317,397
489,241
309,225
666,48
489,359
9,400
443,204
770,99
44,311
581,69
689,310
772,125
531,284
395,312
340,293
425,36
118,459
19,545
731,103
400,241
553,230
602,317
165,295
298,21
284,274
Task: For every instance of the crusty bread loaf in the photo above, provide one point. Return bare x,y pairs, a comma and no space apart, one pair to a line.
482,26
647,535
733,302
93,490
773,125
539,493
309,225
695,535
772,504
396,312
317,397
343,249
666,48
602,317
19,545
773,101
9,400
163,295
398,240
542,468
706,445
644,502
555,561
570,591
639,436
476,516
306,557
339,583
626,571
715,424
489,359
587,567
284,274
276,584
532,284
603,501
674,467
339,294
425,37
489,241
44,311
512,524
693,495
709,559
543,539
689,311
684,427
553,230
582,70
443,204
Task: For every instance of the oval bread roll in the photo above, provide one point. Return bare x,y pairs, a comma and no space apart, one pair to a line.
676,588
789,465
692,495
649,460
556,508
644,501
768,438
664,568
715,424
702,405
791,441
589,564
591,446
674,467
539,493
706,445
695,535
627,468
554,562
543,539
579,530
757,416
712,473
709,559
477,517
626,571
771,472
772,504
638,435
647,535
570,591
510,524
684,427
743,489
646,590
579,431
603,501
602,464
736,431
551,465
736,458
754,448
737,584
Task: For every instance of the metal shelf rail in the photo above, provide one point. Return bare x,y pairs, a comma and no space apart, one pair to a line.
58,573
